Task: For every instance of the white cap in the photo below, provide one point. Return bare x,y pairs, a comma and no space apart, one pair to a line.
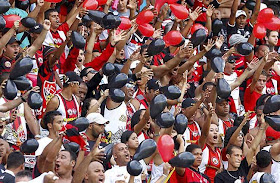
240,12
97,118
134,64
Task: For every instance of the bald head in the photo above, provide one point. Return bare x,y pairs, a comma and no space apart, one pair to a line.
95,173
121,154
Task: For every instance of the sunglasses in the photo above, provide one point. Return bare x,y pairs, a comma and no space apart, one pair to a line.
91,71
129,85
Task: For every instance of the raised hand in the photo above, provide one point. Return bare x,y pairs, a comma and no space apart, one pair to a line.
117,37
40,3
195,14
211,109
47,25
210,10
132,5
157,33
83,12
16,25
253,65
209,45
219,42
96,153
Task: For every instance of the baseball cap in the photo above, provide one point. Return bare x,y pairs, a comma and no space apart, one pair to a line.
239,13
188,102
13,40
97,118
153,84
71,76
236,38
36,29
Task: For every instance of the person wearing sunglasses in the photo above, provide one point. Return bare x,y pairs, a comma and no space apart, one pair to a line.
67,102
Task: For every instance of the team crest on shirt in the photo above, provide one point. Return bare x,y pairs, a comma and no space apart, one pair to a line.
49,89
7,64
215,161
72,111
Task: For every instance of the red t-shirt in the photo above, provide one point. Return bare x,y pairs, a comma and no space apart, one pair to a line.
190,176
250,99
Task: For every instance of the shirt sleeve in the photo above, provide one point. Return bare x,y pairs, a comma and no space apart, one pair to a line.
98,62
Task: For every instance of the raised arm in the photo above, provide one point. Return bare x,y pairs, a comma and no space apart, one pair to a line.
139,126
94,30
206,126
193,16
249,71
255,12
256,142
209,13
6,37
258,73
95,154
189,64
37,44
233,12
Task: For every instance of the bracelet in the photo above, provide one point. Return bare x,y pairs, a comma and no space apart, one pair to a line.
22,99
38,136
165,176
150,38
79,18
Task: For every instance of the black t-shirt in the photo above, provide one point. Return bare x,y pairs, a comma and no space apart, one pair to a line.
228,176
246,32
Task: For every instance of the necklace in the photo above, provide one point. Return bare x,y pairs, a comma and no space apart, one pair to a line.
237,180
195,173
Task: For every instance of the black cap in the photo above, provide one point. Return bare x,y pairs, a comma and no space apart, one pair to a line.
153,84
71,76
47,51
37,29
219,99
13,40
188,102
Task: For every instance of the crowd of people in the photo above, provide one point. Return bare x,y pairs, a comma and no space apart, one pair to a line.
148,91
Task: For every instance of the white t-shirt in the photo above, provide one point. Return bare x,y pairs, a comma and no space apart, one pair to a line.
119,173
256,177
275,167
117,122
43,142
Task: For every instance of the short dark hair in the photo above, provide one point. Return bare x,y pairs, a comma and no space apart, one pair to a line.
269,31
15,160
24,173
190,148
84,72
85,106
48,12
73,156
230,149
263,159
49,117
207,84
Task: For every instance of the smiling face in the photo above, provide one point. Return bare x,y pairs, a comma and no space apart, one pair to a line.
95,173
121,154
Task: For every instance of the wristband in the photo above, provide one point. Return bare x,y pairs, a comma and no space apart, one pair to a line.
38,136
79,18
22,99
